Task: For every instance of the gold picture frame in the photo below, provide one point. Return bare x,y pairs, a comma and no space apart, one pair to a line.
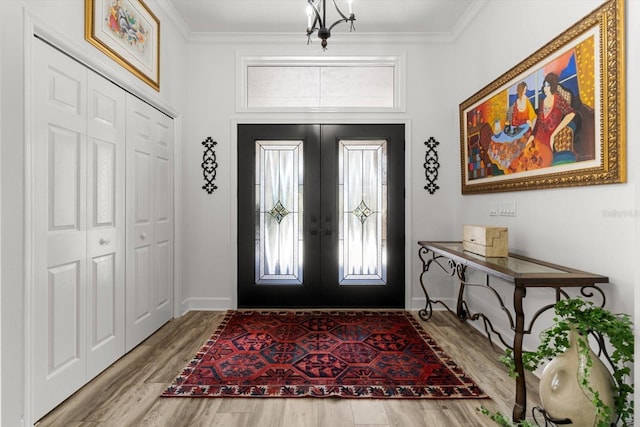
128,32
557,119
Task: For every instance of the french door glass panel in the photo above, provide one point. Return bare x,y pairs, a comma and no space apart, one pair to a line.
279,194
362,203
362,206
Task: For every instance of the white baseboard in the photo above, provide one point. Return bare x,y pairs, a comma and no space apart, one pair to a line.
418,303
206,304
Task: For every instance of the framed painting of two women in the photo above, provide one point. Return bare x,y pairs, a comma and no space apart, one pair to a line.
554,120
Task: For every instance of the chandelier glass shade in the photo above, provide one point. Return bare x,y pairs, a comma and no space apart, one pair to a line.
317,19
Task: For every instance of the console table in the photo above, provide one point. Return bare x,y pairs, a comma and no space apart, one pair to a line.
523,273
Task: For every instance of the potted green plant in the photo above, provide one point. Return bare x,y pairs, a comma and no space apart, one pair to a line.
611,330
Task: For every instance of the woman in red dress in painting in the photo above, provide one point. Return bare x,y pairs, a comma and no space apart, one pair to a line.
554,114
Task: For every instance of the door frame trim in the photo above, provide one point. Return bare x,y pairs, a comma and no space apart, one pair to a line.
315,119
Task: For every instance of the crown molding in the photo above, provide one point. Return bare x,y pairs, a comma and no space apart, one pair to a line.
299,39
466,19
172,14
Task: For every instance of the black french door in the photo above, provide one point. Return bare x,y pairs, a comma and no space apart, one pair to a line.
321,216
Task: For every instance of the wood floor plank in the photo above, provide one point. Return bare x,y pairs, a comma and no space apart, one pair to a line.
127,409
300,413
176,412
228,419
267,413
127,393
466,413
114,381
402,413
441,418
238,405
369,411
185,340
335,412
82,424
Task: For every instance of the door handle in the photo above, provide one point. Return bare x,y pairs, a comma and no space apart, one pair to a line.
143,236
104,241
328,230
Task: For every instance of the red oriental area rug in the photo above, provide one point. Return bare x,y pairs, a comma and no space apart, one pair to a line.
322,354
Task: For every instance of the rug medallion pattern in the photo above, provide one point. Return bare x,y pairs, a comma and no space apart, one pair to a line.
320,354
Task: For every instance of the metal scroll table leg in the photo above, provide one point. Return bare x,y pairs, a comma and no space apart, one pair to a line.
429,257
460,311
427,311
520,406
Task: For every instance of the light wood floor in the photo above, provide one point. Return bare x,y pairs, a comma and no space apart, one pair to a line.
126,394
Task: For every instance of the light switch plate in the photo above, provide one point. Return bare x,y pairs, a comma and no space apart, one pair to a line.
494,208
508,209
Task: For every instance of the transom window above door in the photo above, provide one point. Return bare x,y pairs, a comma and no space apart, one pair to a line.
355,84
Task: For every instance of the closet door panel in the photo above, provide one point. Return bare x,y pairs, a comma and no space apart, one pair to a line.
149,302
64,289
163,284
106,224
140,253
142,239
103,303
65,166
59,227
142,291
162,237
163,206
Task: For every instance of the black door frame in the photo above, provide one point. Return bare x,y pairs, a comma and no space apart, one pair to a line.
289,297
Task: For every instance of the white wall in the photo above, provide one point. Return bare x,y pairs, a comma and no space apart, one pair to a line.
12,224
65,19
209,256
565,226
0,231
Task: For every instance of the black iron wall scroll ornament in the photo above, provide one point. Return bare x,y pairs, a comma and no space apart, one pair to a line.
431,165
209,165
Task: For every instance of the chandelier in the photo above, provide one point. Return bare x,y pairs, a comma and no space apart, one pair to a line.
317,19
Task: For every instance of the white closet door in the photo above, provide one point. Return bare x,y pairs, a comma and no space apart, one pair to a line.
106,224
163,238
149,293
59,227
78,248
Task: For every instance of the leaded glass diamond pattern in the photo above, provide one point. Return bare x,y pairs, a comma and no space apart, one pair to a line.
362,212
279,212
362,202
279,192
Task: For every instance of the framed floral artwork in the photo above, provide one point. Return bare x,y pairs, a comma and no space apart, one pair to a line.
129,33
557,119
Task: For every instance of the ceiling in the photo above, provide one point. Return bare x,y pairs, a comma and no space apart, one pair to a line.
289,16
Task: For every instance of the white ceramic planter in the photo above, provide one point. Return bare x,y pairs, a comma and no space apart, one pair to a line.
561,394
